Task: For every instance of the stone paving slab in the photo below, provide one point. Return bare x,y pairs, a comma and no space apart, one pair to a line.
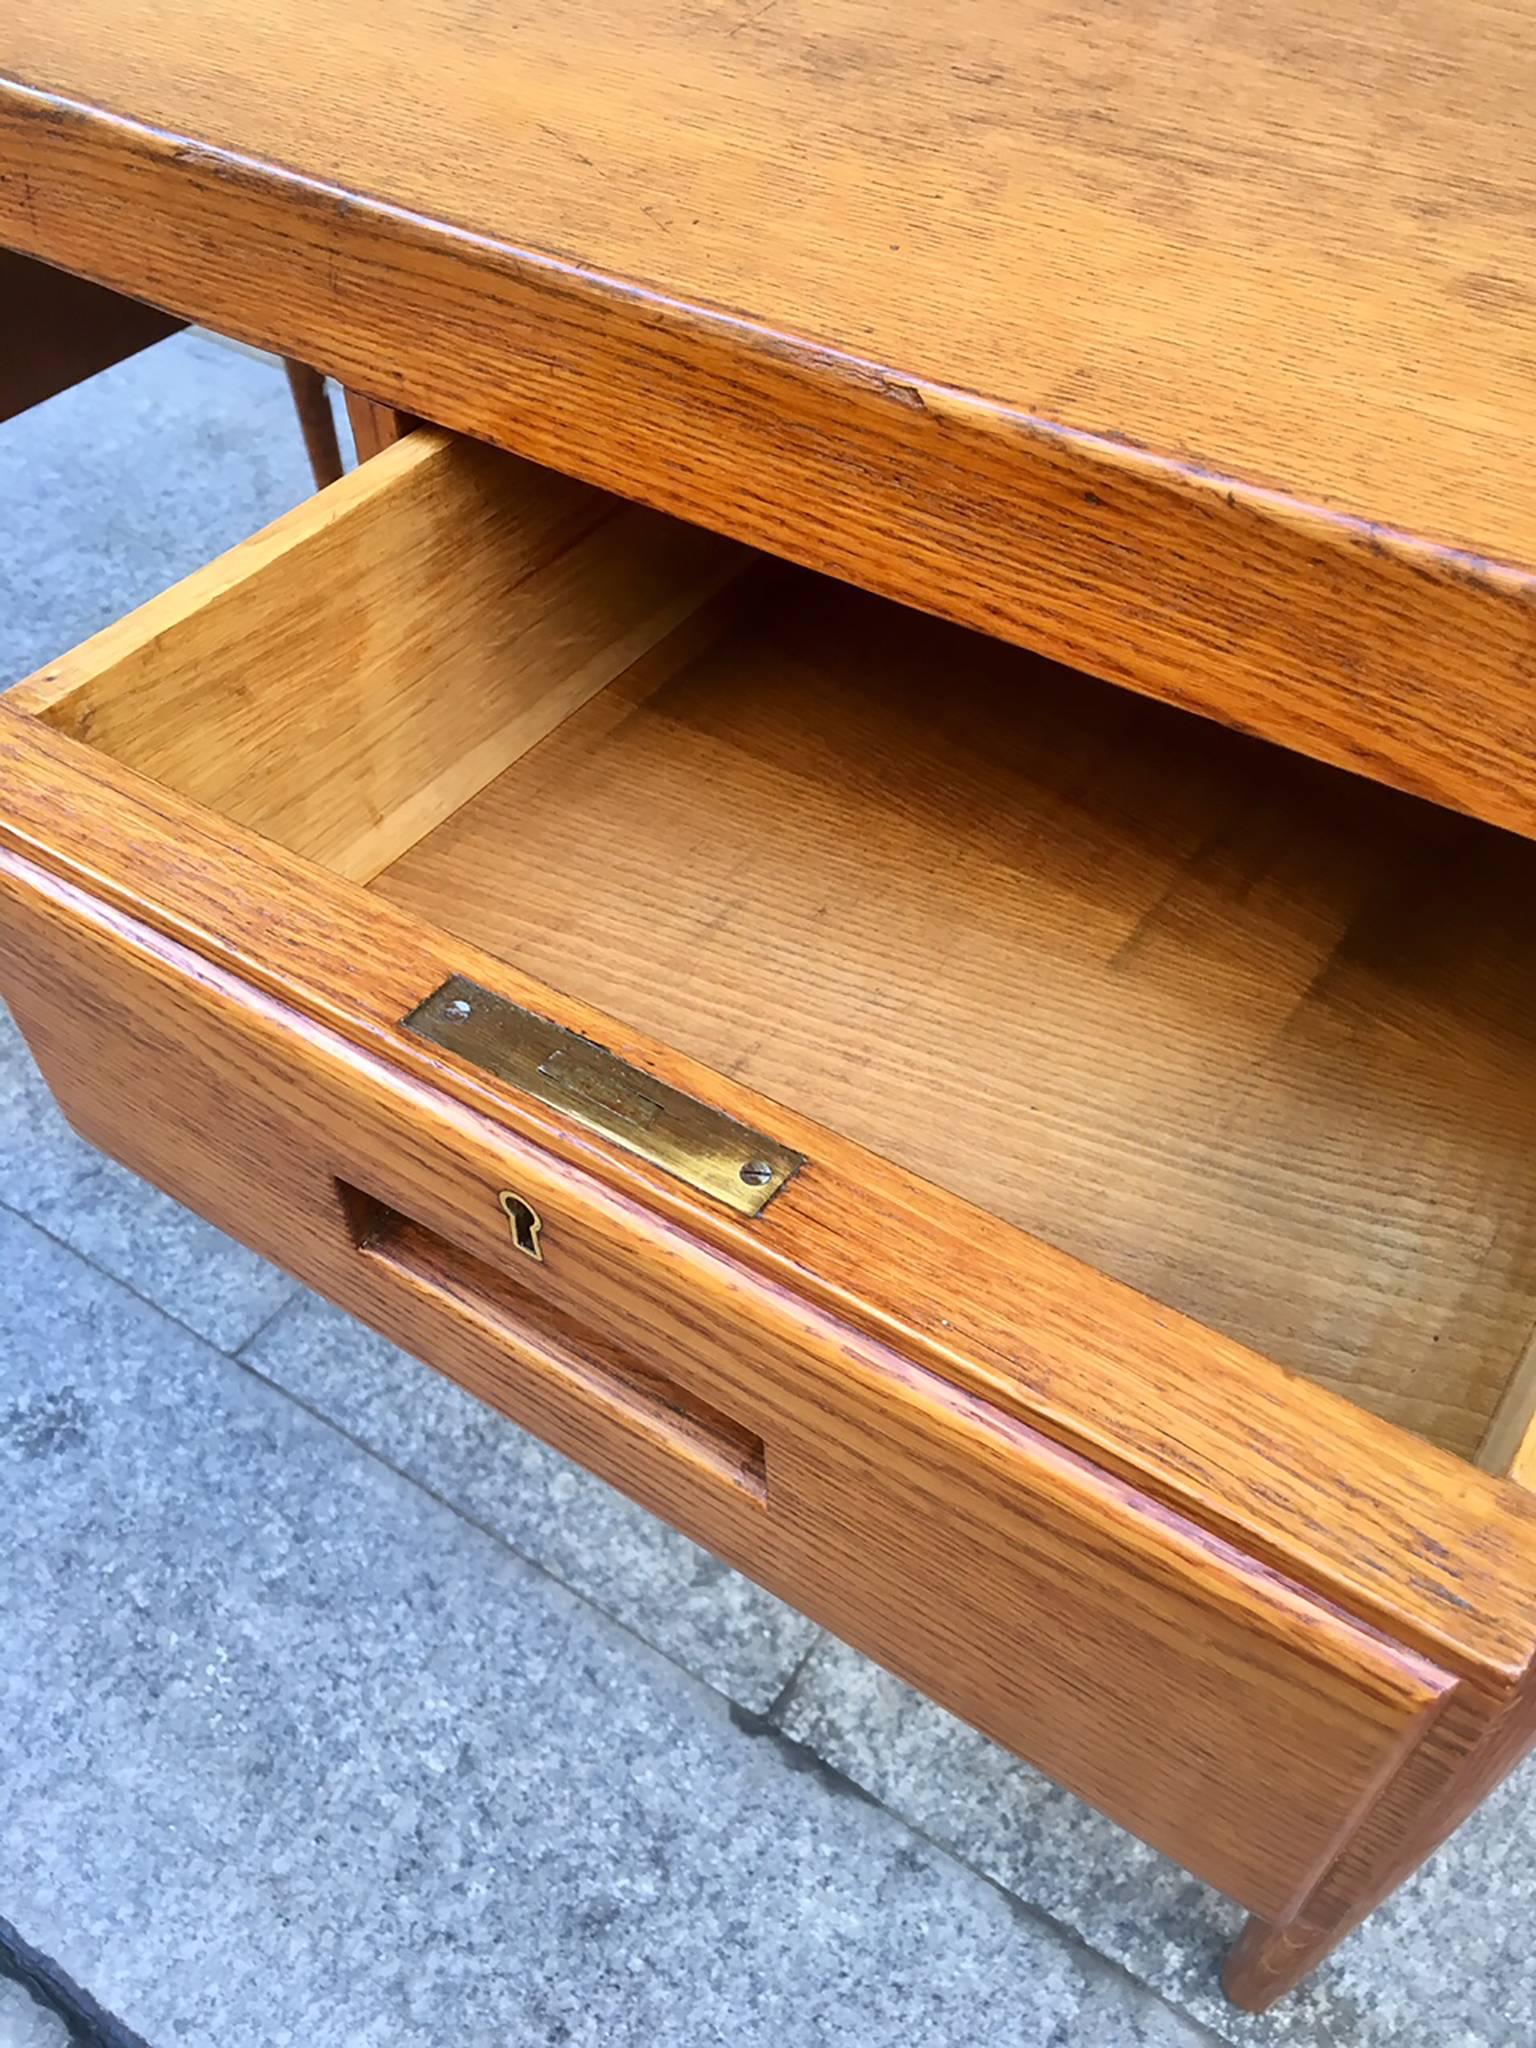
309,1760
118,488
1447,1963
109,493
118,1221
706,1617
25,2024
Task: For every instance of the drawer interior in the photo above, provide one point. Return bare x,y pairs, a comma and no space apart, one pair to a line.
1249,1034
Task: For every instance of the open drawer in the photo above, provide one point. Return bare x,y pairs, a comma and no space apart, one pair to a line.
971,1146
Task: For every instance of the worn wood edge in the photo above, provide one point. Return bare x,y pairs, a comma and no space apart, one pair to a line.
910,389
1467,1748
1207,591
1436,1556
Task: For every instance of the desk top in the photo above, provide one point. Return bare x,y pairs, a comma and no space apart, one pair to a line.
1193,344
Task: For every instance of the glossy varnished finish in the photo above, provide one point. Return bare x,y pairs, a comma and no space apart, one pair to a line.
1081,215
1226,1026
1238,1721
1431,1552
1232,1027
1285,1641
315,657
1197,358
1465,1753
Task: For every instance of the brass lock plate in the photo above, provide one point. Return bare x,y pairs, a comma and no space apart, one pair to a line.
706,1149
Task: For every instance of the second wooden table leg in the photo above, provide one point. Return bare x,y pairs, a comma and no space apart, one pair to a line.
316,420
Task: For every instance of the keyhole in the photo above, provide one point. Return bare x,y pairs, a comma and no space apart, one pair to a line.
525,1223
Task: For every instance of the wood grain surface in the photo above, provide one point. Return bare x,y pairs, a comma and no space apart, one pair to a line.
1246,1034
375,427
1193,350
1252,1036
1239,1724
343,681
1403,1537
1291,243
317,422
1464,1754
1513,1423
1190,349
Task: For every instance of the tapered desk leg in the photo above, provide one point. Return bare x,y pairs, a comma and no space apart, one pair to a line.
316,420
1265,1962
1472,1744
375,426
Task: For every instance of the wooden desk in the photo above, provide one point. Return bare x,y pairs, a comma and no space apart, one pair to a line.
1138,1263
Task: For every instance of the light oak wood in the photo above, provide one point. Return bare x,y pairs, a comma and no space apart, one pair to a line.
1227,1026
475,1297
1249,1036
1239,1723
1143,1399
317,422
1190,350
1077,215
1283,1640
1413,1542
1464,1755
252,1061
1511,1443
347,679
1514,1420
1199,359
375,427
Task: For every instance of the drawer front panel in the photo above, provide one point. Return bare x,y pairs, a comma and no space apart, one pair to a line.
1228,1718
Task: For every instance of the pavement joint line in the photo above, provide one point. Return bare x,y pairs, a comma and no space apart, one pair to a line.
749,1721
238,1351
245,1365
605,1615
774,1711
760,1726
149,1301
802,1757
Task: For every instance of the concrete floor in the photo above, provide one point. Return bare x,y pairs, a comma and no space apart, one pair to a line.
337,1711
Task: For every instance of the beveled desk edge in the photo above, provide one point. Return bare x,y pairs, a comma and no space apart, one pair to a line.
1380,651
